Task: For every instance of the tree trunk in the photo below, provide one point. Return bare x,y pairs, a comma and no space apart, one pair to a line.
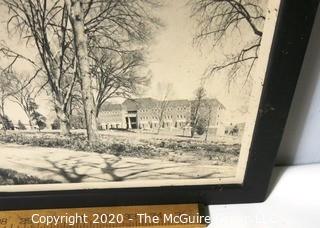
97,125
3,125
2,114
64,127
81,49
192,132
63,120
29,119
30,123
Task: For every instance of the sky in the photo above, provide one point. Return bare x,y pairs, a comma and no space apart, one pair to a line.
176,60
173,59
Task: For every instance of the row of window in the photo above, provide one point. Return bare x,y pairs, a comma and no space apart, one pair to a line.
113,112
163,125
167,109
155,110
164,117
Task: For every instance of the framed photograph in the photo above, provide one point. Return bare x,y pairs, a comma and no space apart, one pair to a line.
145,101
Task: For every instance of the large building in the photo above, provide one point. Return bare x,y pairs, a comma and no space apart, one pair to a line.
113,116
149,113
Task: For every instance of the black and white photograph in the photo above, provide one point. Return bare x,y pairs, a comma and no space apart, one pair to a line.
130,93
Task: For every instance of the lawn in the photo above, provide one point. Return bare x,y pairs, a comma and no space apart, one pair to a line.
131,144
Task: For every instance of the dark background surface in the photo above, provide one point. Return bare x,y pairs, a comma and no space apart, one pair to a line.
300,143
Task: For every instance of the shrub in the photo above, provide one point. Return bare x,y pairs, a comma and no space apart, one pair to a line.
77,122
118,147
201,127
55,125
11,177
79,142
21,125
154,148
6,122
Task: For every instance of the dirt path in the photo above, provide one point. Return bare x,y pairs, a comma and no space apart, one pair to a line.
74,166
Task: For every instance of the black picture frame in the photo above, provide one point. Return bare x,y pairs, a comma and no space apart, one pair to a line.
292,33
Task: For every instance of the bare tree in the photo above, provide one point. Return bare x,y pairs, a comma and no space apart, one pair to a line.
24,94
118,32
76,16
200,96
163,106
218,19
208,123
119,26
5,93
117,76
112,25
44,24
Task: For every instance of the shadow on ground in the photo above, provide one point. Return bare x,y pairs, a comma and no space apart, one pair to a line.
75,170
70,166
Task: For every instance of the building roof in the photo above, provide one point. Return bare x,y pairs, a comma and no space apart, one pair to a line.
111,107
140,103
135,104
213,102
178,102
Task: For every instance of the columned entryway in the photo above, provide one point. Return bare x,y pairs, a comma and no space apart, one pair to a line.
132,120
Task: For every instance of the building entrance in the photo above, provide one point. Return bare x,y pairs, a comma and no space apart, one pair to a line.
131,122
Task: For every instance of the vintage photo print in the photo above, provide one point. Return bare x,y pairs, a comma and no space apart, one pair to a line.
130,93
